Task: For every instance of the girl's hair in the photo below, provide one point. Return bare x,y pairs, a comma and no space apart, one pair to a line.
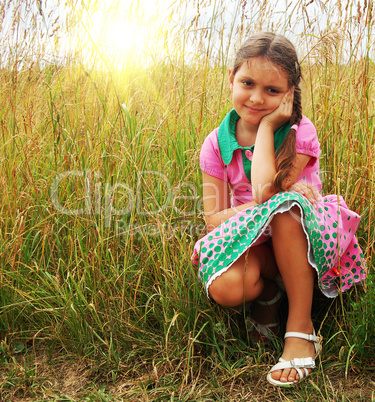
281,52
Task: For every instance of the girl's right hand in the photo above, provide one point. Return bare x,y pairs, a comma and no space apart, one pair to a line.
282,113
307,190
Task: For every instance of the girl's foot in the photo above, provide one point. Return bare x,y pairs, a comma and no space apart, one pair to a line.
264,322
295,348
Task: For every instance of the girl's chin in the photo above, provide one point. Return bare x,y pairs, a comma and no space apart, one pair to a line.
251,123
253,118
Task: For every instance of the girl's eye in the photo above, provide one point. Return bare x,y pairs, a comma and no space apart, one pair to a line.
273,91
247,83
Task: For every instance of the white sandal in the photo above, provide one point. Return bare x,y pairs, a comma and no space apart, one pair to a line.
264,329
299,363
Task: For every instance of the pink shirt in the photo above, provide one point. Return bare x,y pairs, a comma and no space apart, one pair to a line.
211,162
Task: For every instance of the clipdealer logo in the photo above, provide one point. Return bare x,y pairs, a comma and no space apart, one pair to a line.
99,198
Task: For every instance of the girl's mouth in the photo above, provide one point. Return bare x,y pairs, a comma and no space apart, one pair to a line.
253,110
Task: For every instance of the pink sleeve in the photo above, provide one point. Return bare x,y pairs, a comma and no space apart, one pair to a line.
307,142
210,158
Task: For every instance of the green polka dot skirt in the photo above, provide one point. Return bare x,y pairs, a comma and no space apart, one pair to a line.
330,228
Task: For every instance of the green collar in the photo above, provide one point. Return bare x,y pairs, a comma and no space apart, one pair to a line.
228,143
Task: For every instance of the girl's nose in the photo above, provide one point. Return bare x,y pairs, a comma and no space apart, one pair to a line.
256,97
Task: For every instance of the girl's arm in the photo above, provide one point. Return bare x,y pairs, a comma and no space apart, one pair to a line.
262,179
263,168
216,202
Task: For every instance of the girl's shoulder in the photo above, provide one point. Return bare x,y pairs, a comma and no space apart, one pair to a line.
306,124
306,130
210,159
307,138
211,141
213,134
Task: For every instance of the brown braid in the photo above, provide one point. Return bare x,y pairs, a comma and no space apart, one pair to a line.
280,51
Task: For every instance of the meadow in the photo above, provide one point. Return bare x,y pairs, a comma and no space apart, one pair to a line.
101,207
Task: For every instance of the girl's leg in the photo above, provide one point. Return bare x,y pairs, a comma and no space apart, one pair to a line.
290,250
247,279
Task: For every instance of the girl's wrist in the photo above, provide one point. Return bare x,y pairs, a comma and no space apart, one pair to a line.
265,124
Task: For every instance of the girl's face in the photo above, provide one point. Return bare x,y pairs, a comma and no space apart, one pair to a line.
257,90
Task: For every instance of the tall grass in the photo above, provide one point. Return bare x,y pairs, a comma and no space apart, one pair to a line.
101,207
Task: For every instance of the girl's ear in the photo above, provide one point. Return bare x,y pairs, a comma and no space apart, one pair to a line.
231,79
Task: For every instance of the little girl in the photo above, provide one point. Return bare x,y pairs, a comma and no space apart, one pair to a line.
263,209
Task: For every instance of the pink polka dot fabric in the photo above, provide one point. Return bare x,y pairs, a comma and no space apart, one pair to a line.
330,229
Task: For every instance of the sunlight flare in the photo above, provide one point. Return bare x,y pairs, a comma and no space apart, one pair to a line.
122,31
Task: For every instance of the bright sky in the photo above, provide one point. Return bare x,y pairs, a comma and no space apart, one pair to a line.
117,31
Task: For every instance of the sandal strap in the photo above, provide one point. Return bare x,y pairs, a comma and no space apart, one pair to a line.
316,340
278,296
298,363
263,329
311,338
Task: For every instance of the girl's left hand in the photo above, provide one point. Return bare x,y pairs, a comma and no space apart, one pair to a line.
282,113
307,190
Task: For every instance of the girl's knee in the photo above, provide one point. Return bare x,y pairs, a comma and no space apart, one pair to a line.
226,290
229,289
